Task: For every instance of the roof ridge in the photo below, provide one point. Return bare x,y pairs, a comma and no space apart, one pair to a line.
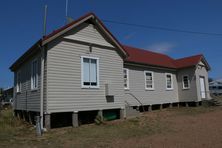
196,55
147,50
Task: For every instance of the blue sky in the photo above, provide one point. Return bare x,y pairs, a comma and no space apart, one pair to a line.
21,26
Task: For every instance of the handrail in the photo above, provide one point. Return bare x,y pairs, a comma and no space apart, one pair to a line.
137,100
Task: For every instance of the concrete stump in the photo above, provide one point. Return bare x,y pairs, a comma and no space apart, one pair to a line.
47,121
161,106
75,120
150,108
122,113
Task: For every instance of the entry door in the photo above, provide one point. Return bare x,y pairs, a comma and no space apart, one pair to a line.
202,88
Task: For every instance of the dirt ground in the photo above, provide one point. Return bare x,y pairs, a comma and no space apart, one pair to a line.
192,127
184,130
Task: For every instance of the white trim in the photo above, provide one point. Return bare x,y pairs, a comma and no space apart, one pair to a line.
97,72
152,75
188,82
32,84
18,84
127,82
171,75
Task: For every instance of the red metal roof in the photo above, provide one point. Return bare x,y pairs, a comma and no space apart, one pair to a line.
188,61
147,57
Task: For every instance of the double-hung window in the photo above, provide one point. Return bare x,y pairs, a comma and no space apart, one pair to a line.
149,80
186,82
34,74
126,78
18,82
169,81
90,72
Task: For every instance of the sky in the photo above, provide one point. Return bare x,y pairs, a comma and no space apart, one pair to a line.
21,25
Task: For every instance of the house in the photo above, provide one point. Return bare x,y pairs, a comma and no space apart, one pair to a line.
7,98
82,70
216,87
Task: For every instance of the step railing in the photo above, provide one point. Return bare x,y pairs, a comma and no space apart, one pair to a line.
137,100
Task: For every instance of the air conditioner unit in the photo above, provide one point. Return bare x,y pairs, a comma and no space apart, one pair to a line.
109,90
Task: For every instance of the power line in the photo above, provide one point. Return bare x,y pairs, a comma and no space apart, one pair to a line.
163,28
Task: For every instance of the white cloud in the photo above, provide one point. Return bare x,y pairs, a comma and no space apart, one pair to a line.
129,36
162,47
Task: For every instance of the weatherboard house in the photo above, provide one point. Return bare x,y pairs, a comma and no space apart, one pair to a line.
81,70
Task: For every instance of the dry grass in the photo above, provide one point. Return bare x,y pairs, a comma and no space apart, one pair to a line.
14,132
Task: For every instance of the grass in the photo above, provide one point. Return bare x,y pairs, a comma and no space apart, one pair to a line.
14,132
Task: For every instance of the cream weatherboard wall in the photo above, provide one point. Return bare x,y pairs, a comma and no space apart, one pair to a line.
189,94
159,95
201,71
27,99
64,92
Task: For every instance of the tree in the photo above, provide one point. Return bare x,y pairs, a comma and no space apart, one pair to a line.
1,97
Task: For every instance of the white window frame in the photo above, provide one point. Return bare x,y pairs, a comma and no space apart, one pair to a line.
152,75
127,82
82,72
18,82
32,81
171,75
187,80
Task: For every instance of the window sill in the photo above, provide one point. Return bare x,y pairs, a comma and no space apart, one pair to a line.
126,89
149,89
34,89
90,87
169,89
186,88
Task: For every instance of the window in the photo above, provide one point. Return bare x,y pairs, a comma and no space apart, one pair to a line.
214,87
90,72
34,74
169,81
126,78
186,82
18,82
149,81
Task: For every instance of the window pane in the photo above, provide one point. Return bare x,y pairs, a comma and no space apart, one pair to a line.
18,81
93,72
185,82
86,67
125,76
34,70
149,80
169,81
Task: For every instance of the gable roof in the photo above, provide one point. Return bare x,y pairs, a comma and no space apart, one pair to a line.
191,61
141,56
46,39
79,21
147,57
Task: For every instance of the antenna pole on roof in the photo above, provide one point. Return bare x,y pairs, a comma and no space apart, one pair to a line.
68,19
45,19
67,2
